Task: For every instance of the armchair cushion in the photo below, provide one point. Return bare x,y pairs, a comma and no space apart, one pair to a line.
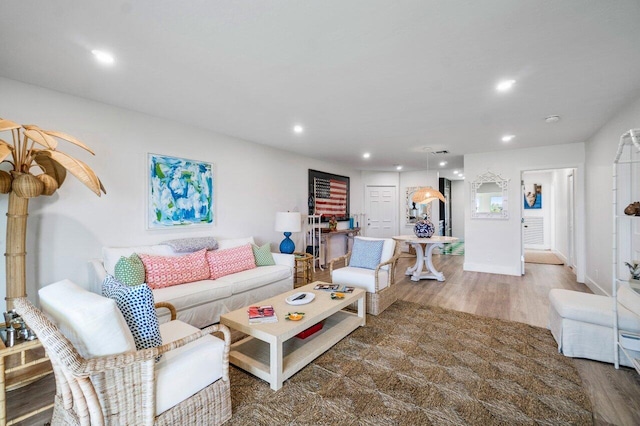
184,371
388,248
360,277
366,253
137,307
94,325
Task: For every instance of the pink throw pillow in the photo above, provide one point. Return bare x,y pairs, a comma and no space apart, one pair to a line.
228,261
165,271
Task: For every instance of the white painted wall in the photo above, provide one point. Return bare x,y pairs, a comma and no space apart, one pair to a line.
252,183
560,213
458,201
600,153
493,245
545,179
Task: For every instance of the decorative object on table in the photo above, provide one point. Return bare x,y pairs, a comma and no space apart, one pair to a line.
330,195
351,223
294,316
262,314
301,298
633,209
337,295
21,184
288,222
311,330
334,288
634,269
180,192
333,224
424,228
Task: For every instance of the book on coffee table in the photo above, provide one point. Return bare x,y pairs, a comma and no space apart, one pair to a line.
262,314
334,288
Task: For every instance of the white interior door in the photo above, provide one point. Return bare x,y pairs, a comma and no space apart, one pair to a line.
382,203
571,256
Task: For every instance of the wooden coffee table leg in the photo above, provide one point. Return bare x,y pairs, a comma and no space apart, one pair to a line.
276,363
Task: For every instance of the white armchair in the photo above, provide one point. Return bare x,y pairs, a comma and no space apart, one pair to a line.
102,379
369,265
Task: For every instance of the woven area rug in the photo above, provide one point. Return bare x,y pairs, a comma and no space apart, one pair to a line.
418,365
544,257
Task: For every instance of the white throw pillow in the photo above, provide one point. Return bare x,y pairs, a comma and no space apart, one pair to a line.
111,255
94,324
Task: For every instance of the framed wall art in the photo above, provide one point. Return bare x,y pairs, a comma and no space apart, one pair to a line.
180,192
328,195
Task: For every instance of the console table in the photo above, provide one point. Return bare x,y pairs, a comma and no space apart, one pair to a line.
423,268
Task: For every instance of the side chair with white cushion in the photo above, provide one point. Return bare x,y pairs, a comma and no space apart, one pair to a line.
101,379
369,265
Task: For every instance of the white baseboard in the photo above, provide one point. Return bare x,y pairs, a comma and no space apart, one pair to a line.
594,287
491,269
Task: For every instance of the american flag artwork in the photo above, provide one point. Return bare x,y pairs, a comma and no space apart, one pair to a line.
330,197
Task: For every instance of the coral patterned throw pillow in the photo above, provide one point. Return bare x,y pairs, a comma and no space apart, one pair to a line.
165,271
229,261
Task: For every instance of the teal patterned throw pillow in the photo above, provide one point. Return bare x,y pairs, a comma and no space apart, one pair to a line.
366,253
263,255
129,270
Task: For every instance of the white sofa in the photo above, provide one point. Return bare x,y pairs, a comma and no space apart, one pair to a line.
201,303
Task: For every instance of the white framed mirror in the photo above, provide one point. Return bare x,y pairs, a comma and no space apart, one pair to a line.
415,211
489,197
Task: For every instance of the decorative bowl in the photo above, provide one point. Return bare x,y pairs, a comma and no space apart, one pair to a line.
294,316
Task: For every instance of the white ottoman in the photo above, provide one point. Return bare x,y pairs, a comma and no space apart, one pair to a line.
582,324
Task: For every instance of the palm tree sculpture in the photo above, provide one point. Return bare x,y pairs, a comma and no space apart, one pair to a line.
21,184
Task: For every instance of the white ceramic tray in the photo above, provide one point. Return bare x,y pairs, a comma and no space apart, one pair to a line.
307,298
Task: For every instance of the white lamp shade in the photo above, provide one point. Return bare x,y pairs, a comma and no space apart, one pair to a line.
288,222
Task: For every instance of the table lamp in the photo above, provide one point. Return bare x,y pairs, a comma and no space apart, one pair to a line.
288,222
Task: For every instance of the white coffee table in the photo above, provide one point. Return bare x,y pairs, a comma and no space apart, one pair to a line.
273,353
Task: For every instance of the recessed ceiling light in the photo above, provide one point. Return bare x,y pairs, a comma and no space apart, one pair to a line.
103,57
455,172
366,155
398,167
508,138
443,163
298,129
552,119
505,85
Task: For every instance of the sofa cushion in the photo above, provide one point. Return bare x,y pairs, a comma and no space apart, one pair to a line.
197,293
185,371
137,307
234,242
189,245
165,271
254,278
95,326
229,261
366,253
360,277
262,255
129,270
111,255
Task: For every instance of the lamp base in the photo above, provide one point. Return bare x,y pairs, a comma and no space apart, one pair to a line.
287,245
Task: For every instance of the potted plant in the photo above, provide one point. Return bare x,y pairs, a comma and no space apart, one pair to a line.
634,268
37,168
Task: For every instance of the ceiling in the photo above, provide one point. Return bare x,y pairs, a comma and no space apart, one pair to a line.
385,77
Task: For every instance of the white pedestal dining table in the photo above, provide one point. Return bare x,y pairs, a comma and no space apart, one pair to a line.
423,268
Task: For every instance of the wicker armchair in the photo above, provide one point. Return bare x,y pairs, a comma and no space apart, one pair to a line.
378,282
120,389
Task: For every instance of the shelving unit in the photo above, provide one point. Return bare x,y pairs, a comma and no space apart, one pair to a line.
314,240
626,239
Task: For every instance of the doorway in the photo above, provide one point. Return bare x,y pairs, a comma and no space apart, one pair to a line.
548,216
382,218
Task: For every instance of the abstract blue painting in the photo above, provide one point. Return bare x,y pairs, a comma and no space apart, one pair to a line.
180,192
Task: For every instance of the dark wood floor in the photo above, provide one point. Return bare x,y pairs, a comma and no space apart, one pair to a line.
615,394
